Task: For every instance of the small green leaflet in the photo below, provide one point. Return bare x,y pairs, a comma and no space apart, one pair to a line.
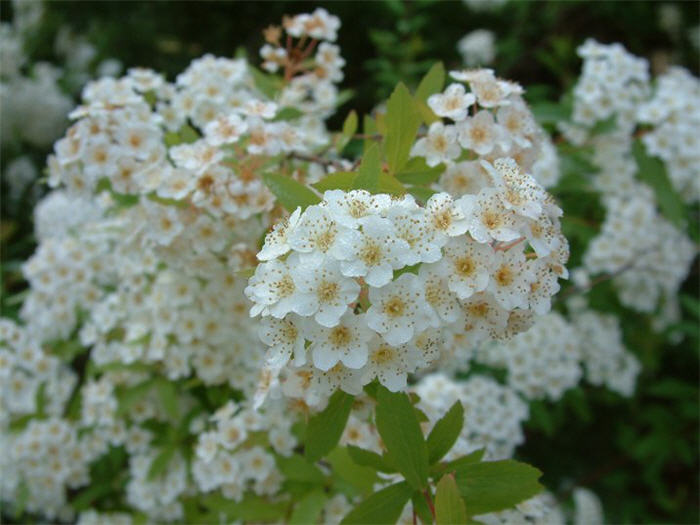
449,505
652,171
416,171
326,427
297,468
345,470
340,180
398,426
445,433
384,506
368,174
367,458
290,193
308,509
349,129
431,83
402,122
496,485
160,463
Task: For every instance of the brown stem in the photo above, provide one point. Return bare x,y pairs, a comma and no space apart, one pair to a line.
426,493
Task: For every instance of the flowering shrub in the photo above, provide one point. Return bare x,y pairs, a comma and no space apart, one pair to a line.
232,317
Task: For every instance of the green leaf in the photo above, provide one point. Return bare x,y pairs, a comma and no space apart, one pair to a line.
349,129
369,127
384,506
289,192
288,113
160,463
652,171
389,184
340,180
297,468
472,457
398,426
496,485
445,433
168,397
326,427
359,478
251,508
421,508
416,171
308,509
550,112
268,84
367,458
432,82
402,122
449,505
421,193
368,173
131,395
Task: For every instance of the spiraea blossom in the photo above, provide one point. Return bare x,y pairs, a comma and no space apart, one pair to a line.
489,121
159,203
366,286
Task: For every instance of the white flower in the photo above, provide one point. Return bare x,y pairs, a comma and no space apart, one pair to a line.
390,364
510,282
315,235
326,291
452,103
373,253
398,310
488,217
273,290
440,145
346,343
467,264
442,303
224,130
349,208
444,218
276,242
481,134
285,339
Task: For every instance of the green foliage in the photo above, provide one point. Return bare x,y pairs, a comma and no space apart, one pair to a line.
384,506
326,427
398,426
449,505
370,168
653,172
445,433
402,121
308,509
496,485
290,193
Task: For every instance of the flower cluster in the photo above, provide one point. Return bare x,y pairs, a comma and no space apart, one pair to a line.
336,276
541,362
651,256
36,96
159,203
613,84
489,122
674,114
604,357
493,413
647,256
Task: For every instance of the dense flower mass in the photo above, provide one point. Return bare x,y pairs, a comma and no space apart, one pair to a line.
214,271
363,286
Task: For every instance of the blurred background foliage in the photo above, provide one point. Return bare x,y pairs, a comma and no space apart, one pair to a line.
639,455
